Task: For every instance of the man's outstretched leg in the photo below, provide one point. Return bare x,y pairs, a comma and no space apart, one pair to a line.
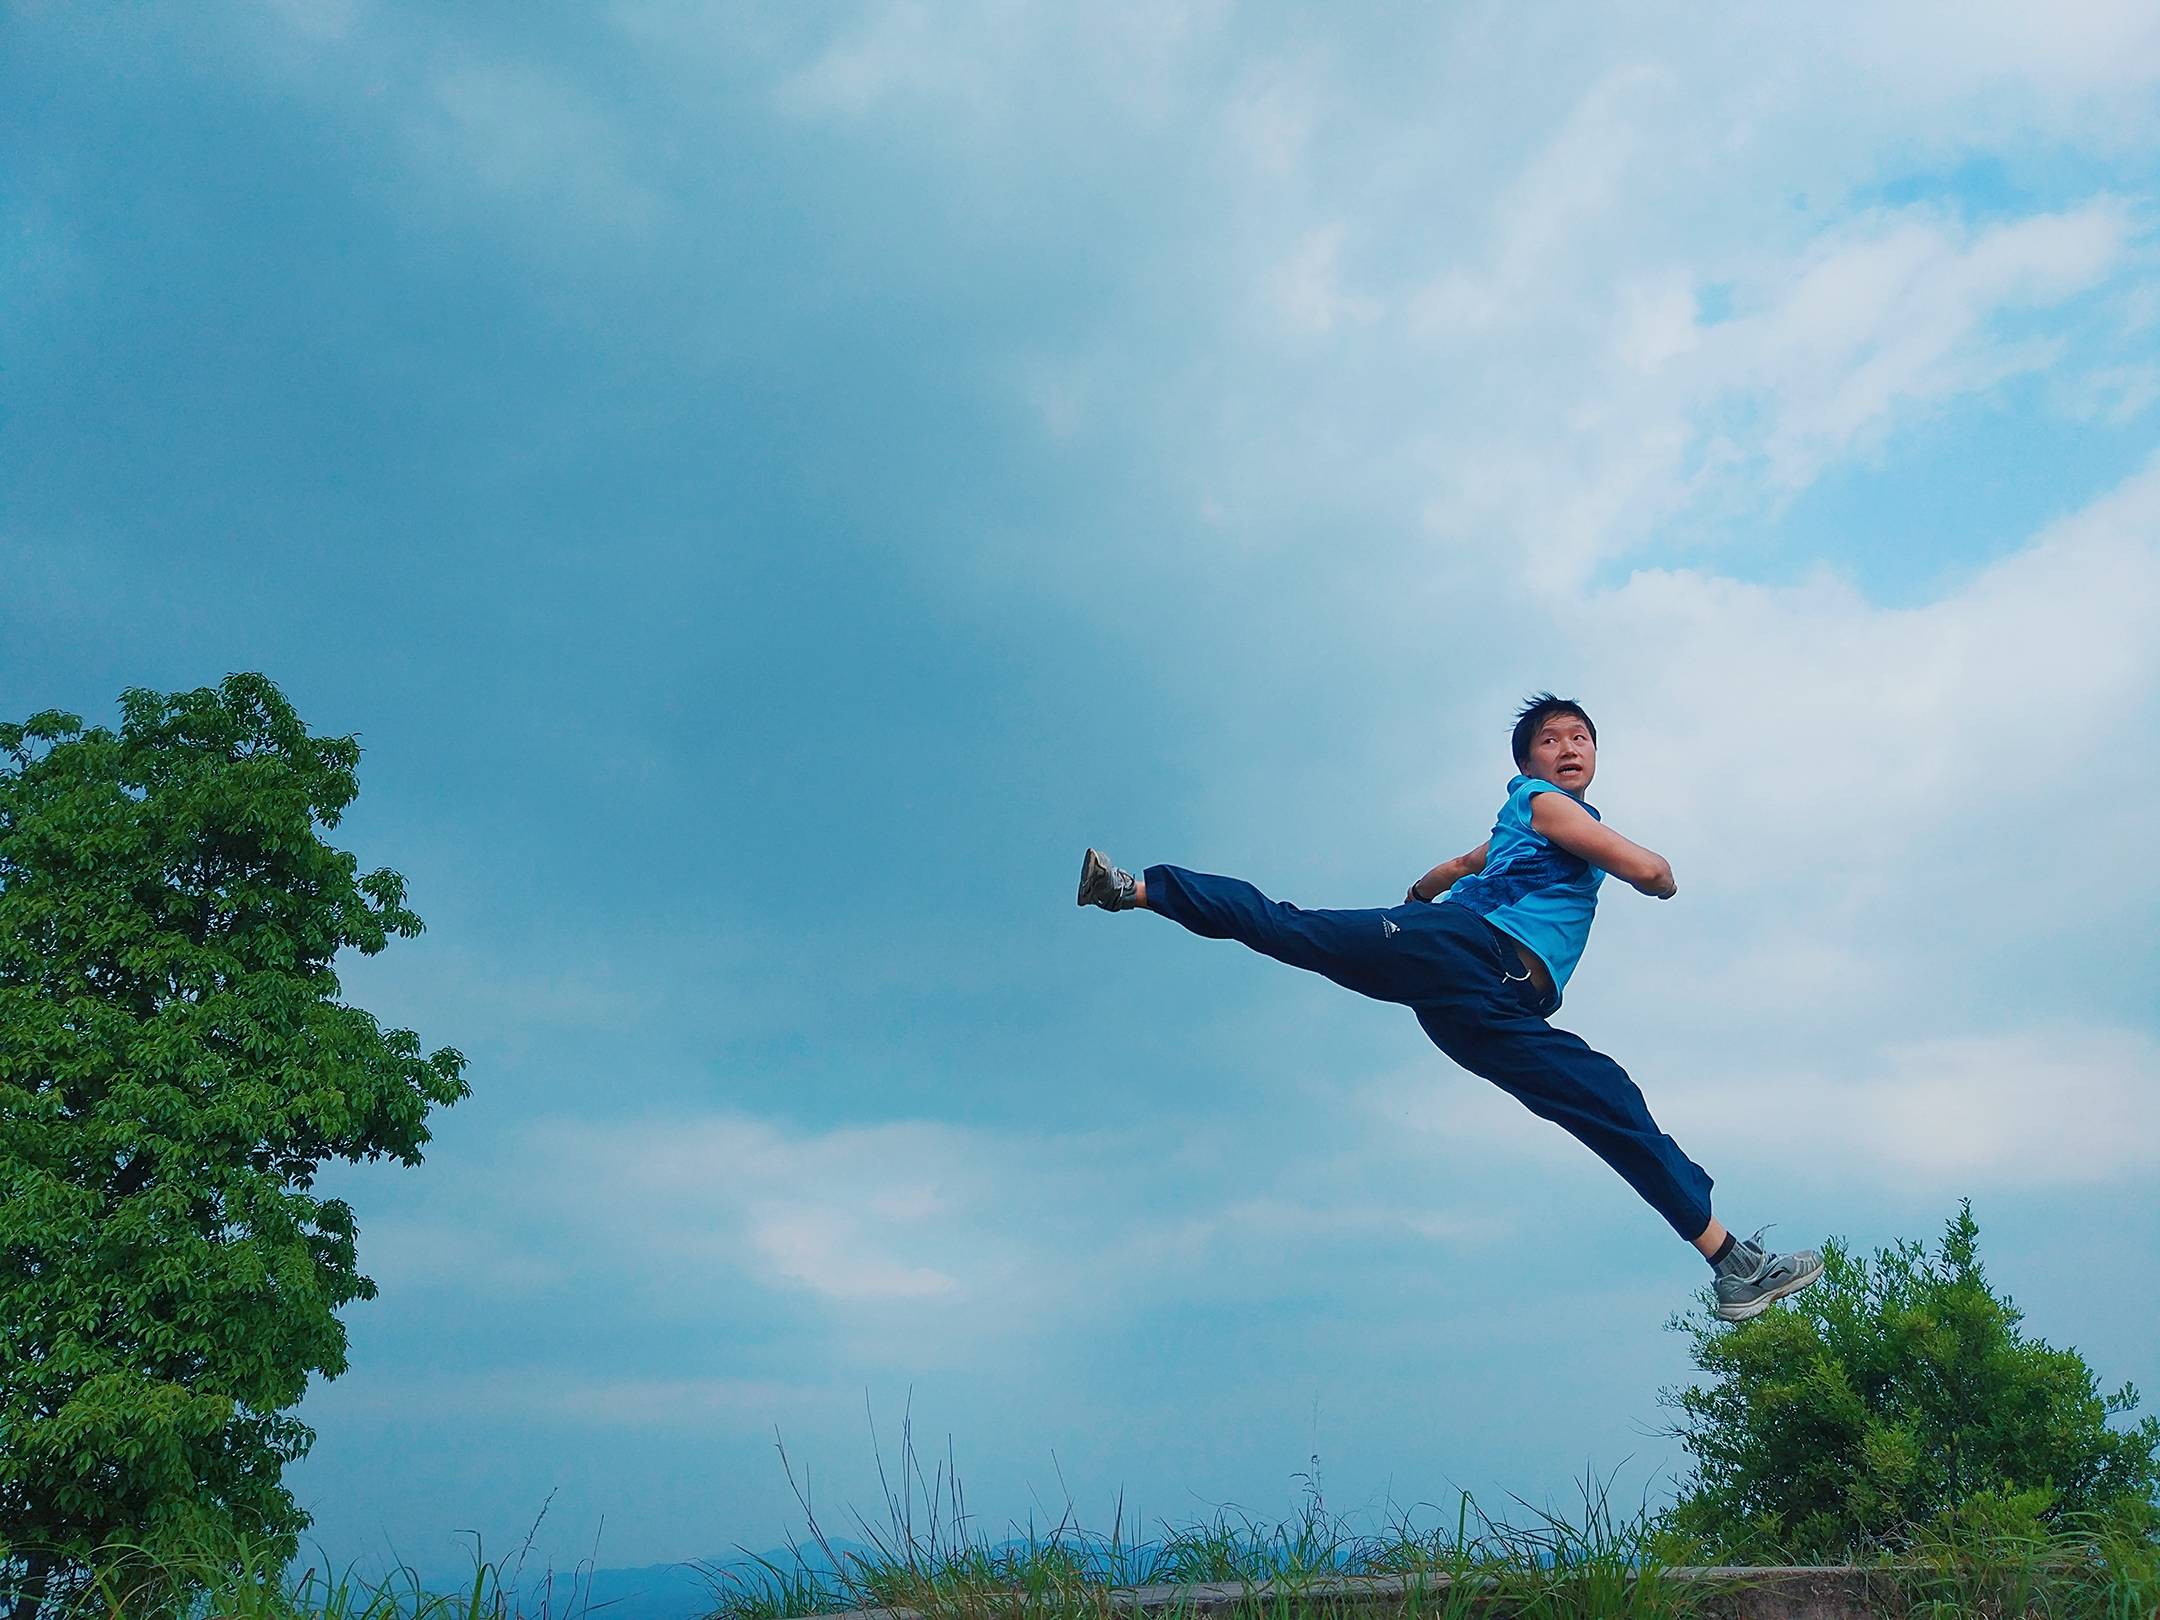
1389,954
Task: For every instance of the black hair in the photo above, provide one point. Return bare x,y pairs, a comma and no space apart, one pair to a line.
1540,709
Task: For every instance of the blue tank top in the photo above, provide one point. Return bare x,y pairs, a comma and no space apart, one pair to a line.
1533,889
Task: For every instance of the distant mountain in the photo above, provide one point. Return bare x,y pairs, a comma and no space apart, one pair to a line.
686,1591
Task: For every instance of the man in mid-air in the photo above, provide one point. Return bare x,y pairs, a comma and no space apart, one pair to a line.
1480,949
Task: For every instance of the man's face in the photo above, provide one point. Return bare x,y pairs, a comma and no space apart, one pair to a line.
1562,753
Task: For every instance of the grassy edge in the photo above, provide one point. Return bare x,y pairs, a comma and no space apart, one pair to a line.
1537,1565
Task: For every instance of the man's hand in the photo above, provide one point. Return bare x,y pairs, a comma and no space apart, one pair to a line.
1446,875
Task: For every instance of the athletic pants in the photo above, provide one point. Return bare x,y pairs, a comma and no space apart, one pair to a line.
1471,994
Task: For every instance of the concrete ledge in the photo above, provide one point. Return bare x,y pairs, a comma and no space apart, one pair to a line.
1806,1593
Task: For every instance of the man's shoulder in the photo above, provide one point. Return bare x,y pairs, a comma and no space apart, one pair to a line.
1522,789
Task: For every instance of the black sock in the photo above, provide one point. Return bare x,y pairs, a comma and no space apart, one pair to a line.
1723,1249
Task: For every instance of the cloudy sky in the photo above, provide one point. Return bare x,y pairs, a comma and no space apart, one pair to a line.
768,485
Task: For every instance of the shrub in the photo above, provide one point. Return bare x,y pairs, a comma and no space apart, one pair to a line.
1890,1396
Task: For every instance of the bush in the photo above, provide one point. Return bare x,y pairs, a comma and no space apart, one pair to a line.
1889,1400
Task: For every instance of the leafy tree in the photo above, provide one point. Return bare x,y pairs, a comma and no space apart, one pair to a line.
175,1065
1888,1396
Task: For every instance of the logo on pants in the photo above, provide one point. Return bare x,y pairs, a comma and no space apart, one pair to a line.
1387,928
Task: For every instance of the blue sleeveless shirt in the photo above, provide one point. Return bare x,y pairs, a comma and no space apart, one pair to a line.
1533,889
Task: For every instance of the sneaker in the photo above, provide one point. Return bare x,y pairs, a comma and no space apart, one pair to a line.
1102,884
1750,1277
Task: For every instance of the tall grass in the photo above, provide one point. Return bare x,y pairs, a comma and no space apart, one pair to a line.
2081,1565
238,1584
925,1558
235,1578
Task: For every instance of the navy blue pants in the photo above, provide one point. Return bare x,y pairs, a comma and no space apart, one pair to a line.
1462,978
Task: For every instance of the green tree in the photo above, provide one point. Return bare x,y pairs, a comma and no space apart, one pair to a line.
175,1066
1887,1396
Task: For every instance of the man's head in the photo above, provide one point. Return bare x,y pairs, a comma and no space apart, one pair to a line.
1555,742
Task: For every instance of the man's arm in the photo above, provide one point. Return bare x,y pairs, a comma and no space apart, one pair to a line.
1448,873
1578,832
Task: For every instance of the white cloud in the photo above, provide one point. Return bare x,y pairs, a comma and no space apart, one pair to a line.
475,1259
736,1403
2116,395
2083,49
1270,121
1577,180
1428,1107
913,1243
854,1214
821,1248
316,20
1264,1231
1805,728
1059,393
532,133
1307,292
1860,330
1894,312
2054,1106
552,1396
978,63
2059,1105
898,50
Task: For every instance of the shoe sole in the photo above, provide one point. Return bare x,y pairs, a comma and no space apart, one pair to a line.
1741,1313
1090,863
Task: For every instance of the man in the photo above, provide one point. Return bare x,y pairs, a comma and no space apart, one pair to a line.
1481,949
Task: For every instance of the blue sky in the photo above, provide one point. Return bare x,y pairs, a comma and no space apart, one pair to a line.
768,485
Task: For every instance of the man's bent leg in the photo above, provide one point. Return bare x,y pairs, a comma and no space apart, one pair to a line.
1710,1242
1559,1077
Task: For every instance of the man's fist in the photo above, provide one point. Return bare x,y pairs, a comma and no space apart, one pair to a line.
1421,899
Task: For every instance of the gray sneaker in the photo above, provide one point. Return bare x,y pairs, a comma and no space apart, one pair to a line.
1102,884
1750,1277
